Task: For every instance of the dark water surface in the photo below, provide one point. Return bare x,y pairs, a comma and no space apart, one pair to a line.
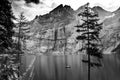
54,68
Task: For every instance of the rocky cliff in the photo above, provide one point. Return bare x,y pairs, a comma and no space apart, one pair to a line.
63,19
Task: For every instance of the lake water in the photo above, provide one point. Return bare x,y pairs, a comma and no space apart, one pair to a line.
54,68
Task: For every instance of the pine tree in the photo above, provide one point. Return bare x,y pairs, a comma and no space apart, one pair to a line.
6,42
22,30
21,36
89,33
6,25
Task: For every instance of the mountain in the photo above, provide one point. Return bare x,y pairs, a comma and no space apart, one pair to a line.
80,9
111,31
101,12
117,11
65,17
45,25
58,17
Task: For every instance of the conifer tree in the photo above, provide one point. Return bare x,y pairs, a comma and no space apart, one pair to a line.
7,63
21,36
89,33
6,25
22,30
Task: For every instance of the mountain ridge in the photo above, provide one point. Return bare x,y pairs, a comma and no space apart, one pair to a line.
65,16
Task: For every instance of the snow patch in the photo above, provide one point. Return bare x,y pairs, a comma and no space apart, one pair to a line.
110,16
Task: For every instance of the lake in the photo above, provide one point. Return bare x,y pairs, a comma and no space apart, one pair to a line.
54,68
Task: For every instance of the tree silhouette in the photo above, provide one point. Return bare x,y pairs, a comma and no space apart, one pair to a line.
21,36
22,30
6,25
7,62
89,34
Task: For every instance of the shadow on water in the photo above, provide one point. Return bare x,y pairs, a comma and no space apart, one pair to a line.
71,67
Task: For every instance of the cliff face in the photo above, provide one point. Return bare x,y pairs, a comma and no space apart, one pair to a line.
58,17
64,17
101,12
111,31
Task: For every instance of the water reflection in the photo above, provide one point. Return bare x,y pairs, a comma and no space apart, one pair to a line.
54,68
27,67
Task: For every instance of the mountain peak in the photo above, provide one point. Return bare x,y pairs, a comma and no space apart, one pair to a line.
62,9
59,13
118,10
58,8
81,8
67,7
98,8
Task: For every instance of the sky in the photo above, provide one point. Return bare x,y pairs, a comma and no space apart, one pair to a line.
31,8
